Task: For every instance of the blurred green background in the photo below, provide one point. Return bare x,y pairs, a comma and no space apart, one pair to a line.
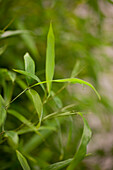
83,32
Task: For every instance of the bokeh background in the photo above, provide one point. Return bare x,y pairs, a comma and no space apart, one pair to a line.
83,38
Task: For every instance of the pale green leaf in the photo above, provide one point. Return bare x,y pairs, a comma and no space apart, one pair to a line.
30,75
75,70
81,152
22,161
13,138
2,111
71,80
12,33
50,57
12,75
29,67
57,100
37,103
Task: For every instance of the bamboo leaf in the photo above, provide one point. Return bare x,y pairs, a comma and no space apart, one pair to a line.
37,103
28,39
2,111
75,70
71,80
81,152
22,119
12,33
13,138
58,165
29,67
31,76
50,57
12,76
22,161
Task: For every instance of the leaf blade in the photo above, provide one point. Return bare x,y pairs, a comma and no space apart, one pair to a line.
30,75
59,165
2,111
81,152
22,119
29,67
13,138
37,103
50,57
22,161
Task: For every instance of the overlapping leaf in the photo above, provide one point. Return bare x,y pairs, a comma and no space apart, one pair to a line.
81,152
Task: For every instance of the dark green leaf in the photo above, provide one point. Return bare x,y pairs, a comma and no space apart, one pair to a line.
23,119
2,111
81,152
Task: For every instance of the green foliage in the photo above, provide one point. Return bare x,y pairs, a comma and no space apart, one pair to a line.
39,110
30,75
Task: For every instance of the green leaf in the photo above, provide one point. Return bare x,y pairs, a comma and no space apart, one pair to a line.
76,80
58,165
13,138
12,33
75,70
22,119
29,67
2,111
57,100
71,80
12,75
50,57
81,152
2,49
31,76
37,103
28,39
22,161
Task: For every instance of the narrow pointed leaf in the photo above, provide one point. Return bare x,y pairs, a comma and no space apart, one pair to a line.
28,39
22,119
50,57
76,80
75,69
22,161
29,67
2,111
30,75
81,152
12,33
71,80
37,103
59,165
